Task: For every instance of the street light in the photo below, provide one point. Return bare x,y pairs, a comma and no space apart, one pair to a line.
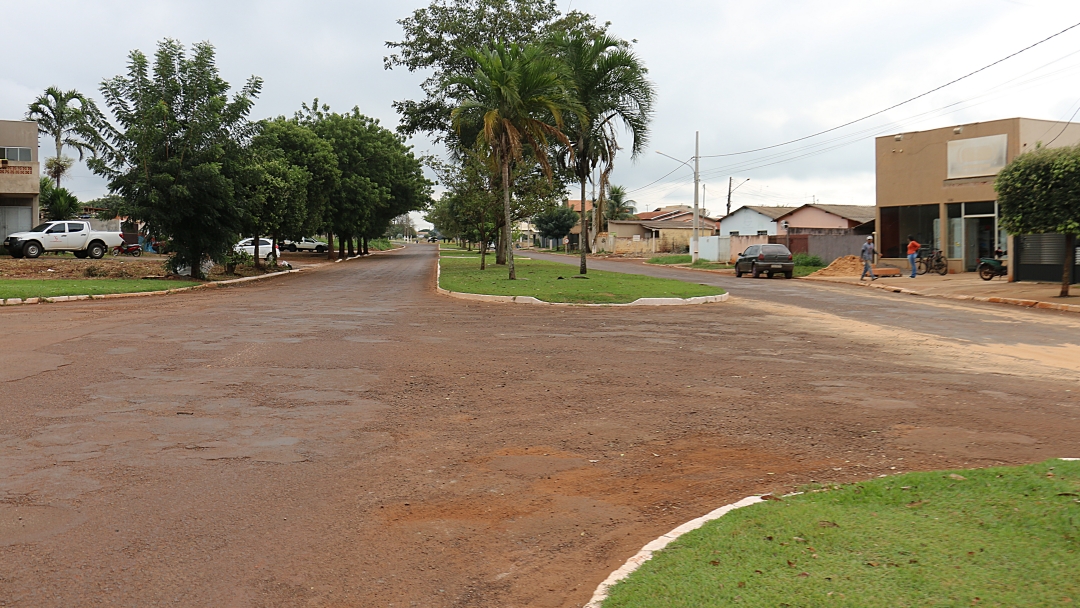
730,180
697,175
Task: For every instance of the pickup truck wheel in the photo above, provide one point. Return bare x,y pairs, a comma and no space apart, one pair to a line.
320,249
32,249
81,255
292,247
96,250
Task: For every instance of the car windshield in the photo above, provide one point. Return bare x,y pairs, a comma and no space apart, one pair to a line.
41,227
774,250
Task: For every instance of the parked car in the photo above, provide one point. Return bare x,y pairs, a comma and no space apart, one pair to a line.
304,244
765,259
73,236
266,248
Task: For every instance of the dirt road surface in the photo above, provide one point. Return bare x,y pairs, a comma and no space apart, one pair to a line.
347,437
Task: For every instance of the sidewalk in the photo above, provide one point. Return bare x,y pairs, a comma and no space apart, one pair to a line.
968,286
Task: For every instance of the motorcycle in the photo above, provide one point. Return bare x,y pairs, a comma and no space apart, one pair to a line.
134,249
989,268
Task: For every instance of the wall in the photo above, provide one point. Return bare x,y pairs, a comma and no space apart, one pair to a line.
740,243
715,248
746,222
830,247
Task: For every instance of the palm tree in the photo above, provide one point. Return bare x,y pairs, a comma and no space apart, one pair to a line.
514,100
619,207
610,84
68,117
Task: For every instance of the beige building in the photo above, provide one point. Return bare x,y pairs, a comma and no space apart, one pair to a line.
19,176
938,186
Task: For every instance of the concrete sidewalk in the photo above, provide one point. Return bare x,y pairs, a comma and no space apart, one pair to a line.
968,286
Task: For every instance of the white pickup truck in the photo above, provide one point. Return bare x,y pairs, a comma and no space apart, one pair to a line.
68,235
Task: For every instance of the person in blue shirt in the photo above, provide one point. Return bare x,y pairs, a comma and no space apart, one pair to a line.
867,255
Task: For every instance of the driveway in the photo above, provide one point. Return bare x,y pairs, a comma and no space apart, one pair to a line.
347,437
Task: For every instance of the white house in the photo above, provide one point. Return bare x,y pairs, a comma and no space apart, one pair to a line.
752,221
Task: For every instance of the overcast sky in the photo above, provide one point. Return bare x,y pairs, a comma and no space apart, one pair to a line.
744,74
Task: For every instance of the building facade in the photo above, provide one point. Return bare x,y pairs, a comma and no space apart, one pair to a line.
938,186
20,174
752,221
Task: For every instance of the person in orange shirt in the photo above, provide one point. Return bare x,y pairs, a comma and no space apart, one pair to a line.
912,253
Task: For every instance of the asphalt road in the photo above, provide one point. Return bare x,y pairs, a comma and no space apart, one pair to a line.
347,437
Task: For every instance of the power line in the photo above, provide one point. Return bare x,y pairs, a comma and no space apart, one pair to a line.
907,101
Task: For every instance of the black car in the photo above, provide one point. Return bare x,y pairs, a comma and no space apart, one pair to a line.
765,259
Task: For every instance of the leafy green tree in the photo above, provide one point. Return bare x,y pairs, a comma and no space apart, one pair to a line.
472,201
175,148
69,119
274,197
301,147
515,99
441,37
617,206
380,176
611,85
1039,192
556,223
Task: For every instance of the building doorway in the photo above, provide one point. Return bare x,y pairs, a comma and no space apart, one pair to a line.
979,241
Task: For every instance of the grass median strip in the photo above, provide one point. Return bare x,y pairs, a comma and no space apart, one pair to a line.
1007,536
47,288
554,282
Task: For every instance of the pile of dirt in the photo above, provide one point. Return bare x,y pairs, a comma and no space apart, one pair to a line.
52,267
847,266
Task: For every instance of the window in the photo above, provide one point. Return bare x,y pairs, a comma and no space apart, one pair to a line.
17,154
264,243
57,228
76,227
897,223
774,250
763,233
733,233
751,250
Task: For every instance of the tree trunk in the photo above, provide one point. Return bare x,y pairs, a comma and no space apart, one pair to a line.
329,245
255,243
351,251
341,248
59,150
1070,260
365,245
500,246
583,238
507,240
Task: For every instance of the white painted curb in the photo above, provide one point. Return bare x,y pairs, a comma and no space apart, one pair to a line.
647,551
531,300
143,294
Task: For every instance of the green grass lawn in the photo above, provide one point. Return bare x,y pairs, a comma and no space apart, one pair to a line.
47,288
541,280
670,259
802,271
1006,536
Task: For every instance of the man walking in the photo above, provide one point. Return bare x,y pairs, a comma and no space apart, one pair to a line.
867,255
912,253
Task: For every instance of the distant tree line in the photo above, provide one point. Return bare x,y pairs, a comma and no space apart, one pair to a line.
182,157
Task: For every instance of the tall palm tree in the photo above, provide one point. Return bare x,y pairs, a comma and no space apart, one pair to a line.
619,207
611,85
515,99
68,118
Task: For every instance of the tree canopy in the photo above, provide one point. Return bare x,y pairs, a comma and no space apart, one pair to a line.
1039,192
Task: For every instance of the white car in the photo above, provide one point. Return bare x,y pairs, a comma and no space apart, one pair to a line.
62,236
267,249
305,244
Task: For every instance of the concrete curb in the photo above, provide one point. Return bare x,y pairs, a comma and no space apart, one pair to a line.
143,294
993,300
479,297
647,551
659,544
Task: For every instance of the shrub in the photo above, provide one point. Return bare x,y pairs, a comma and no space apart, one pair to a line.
805,259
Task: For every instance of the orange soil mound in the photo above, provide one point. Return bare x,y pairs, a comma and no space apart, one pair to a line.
849,265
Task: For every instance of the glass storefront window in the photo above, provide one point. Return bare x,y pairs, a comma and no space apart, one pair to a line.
897,223
983,208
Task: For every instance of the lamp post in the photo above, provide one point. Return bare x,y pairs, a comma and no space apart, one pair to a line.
697,178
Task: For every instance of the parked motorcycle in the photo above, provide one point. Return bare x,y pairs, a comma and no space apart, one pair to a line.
989,268
133,249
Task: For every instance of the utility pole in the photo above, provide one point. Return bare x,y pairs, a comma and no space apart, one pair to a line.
697,176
